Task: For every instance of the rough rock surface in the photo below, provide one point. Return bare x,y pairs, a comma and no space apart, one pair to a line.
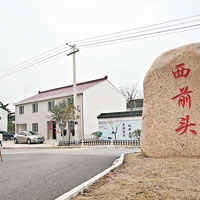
171,112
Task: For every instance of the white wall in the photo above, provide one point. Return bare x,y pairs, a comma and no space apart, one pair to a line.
125,125
3,120
100,98
42,116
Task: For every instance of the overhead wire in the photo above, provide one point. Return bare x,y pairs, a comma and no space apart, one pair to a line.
35,57
10,74
121,32
142,27
35,63
141,38
32,60
101,65
112,34
136,36
57,50
132,33
89,65
103,41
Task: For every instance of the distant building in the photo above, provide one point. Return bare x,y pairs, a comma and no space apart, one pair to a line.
93,98
135,105
3,120
128,125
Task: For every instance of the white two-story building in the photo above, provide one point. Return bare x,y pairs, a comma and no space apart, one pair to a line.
93,97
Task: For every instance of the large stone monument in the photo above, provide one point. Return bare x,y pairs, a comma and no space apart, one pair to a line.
171,112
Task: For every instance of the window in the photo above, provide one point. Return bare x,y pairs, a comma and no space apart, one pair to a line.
21,133
21,110
50,105
35,107
35,127
70,100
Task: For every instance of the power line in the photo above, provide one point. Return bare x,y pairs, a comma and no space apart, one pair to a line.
141,38
102,64
136,28
41,61
10,74
58,47
147,30
120,38
29,60
136,36
35,63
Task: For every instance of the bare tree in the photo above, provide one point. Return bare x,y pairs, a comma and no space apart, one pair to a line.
114,126
131,92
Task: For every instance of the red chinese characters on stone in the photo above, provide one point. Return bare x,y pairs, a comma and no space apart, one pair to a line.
181,71
184,97
185,125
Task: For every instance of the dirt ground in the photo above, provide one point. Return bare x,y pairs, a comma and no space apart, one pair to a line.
144,178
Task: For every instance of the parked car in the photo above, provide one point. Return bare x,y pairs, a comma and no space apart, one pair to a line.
6,135
28,137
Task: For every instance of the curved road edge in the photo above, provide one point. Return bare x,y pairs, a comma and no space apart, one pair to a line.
81,187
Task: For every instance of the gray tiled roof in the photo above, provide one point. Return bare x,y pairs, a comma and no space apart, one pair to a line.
120,114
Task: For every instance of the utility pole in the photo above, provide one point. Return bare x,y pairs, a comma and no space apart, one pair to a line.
74,51
74,78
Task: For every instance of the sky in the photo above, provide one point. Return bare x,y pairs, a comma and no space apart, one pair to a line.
31,27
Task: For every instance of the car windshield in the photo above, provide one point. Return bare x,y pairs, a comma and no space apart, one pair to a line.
33,133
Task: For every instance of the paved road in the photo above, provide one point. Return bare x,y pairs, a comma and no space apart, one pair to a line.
47,174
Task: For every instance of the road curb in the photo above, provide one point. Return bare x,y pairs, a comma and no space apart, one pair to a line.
81,187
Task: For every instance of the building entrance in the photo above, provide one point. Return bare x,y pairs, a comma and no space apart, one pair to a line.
51,127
